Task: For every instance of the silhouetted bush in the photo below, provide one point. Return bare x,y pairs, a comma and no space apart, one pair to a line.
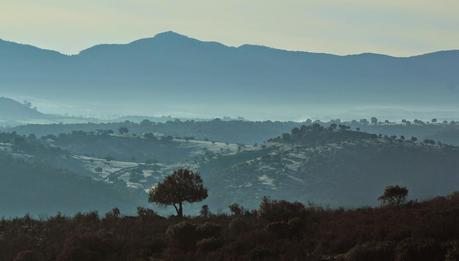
29,255
205,212
452,252
273,210
415,249
90,217
146,214
261,253
113,214
209,244
238,226
297,227
183,235
90,247
208,230
236,209
281,231
374,251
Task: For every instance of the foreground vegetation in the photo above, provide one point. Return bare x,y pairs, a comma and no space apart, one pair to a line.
278,230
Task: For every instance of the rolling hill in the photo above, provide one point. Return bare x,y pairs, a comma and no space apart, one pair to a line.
11,110
332,167
14,113
38,179
328,165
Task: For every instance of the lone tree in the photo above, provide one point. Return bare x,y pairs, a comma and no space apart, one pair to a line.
394,195
182,186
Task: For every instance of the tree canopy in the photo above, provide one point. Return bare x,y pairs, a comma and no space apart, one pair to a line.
182,186
394,195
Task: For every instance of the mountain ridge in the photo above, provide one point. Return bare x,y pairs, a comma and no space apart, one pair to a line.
167,35
158,73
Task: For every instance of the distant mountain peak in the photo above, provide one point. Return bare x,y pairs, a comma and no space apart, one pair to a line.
166,38
170,35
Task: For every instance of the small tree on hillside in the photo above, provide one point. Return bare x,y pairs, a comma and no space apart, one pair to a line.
182,186
374,120
394,195
236,209
123,130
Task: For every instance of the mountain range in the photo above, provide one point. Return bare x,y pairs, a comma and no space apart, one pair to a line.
175,74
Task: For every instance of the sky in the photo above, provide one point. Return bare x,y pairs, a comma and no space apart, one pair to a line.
394,27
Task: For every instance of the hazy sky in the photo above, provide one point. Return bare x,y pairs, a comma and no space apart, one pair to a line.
397,27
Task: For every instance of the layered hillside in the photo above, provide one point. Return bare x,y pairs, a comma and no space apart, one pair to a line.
332,166
43,180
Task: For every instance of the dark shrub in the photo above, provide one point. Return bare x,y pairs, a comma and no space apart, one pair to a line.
205,212
296,223
28,255
296,226
239,248
413,249
236,209
146,213
209,244
238,226
274,210
85,218
208,230
113,214
89,248
183,235
279,229
452,253
454,196
157,245
260,253
375,251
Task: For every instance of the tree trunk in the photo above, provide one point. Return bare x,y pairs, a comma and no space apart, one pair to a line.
180,211
176,210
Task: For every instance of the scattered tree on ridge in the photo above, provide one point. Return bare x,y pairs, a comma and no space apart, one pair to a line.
123,130
394,195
